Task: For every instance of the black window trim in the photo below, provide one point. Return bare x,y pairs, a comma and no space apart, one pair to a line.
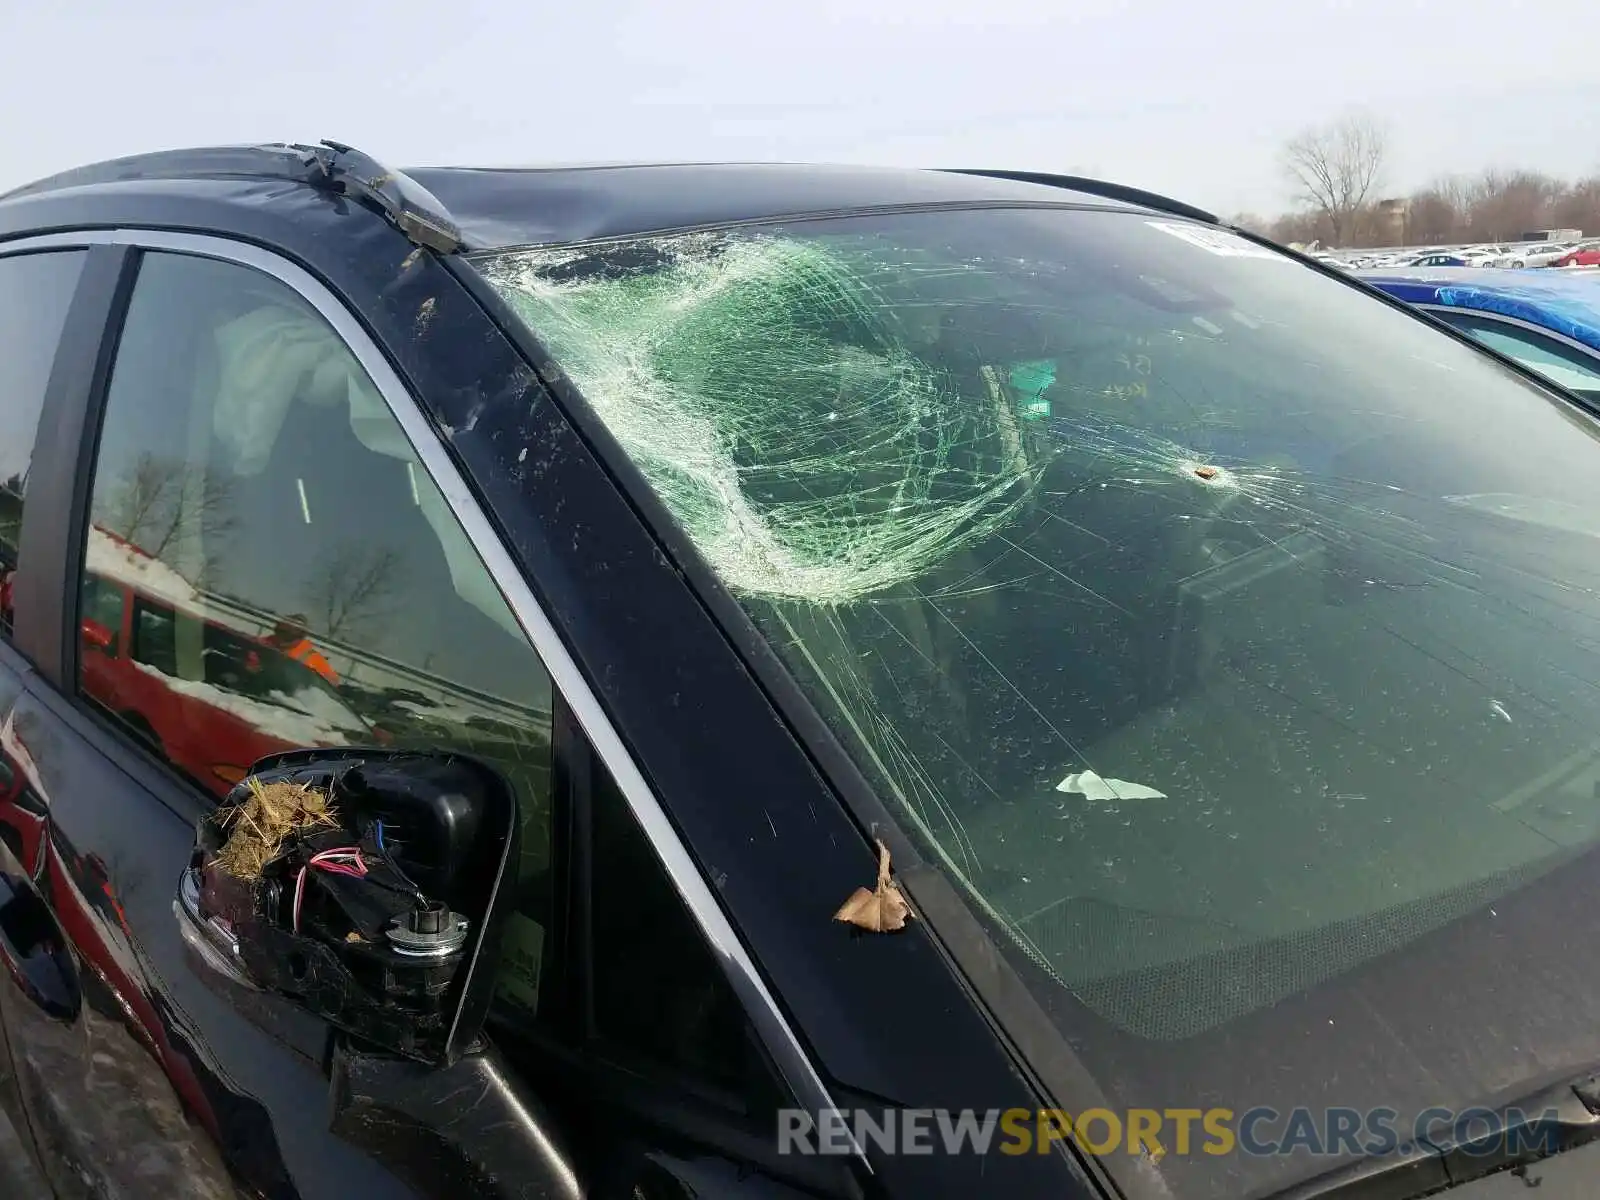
80,406
1445,311
43,628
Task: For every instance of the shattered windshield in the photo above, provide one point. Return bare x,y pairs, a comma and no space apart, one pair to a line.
1218,628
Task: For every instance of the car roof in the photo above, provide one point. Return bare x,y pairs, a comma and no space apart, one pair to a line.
1565,303
503,206
560,204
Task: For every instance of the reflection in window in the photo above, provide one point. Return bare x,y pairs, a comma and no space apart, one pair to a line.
288,572
102,612
35,291
155,638
1561,365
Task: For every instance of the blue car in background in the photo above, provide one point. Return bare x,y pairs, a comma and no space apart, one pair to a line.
1441,260
1549,321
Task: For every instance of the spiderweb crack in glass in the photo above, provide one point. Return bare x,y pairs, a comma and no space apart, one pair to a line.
1021,495
803,466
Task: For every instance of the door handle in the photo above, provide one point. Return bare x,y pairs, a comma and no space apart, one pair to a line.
34,951
212,941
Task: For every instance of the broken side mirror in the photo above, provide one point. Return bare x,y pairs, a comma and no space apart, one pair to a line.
359,884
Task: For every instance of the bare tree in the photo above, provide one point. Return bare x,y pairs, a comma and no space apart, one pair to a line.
1578,207
1493,205
1334,169
1299,229
1254,222
352,586
1504,204
1435,214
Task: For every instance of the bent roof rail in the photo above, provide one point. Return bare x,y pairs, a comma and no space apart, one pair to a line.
331,167
1097,187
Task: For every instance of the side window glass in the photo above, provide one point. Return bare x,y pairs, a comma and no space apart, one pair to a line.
269,564
35,292
1560,364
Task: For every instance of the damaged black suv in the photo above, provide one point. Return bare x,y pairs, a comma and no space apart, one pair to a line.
771,681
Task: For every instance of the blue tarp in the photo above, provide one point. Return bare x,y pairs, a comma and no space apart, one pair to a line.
1563,302
1572,311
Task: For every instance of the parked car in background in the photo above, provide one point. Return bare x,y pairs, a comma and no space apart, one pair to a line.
1549,321
1586,254
1444,259
1537,254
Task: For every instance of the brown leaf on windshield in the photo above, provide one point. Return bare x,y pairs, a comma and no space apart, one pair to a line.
882,910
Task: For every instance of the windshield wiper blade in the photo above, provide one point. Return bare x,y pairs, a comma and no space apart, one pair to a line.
1546,1123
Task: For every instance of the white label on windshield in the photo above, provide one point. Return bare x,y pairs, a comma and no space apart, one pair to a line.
521,961
1095,787
1216,241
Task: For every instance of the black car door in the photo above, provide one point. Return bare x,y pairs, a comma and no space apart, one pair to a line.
36,291
243,475
142,1074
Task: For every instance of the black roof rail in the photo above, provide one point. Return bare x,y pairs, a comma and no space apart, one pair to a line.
212,162
1098,187
330,166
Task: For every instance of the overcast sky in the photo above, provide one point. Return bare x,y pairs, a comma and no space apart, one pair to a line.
1188,98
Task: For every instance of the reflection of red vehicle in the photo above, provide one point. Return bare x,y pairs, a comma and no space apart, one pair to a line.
208,697
93,921
6,577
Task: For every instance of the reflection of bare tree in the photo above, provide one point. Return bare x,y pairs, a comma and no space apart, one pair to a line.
352,586
163,504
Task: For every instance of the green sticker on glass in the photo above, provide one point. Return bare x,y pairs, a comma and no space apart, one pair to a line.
1033,379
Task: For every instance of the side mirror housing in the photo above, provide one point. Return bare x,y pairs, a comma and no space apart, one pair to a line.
414,1121
360,884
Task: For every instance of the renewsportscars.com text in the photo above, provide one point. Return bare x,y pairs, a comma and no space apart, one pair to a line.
1155,1133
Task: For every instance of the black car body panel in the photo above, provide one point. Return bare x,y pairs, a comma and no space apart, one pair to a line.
515,207
235,188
